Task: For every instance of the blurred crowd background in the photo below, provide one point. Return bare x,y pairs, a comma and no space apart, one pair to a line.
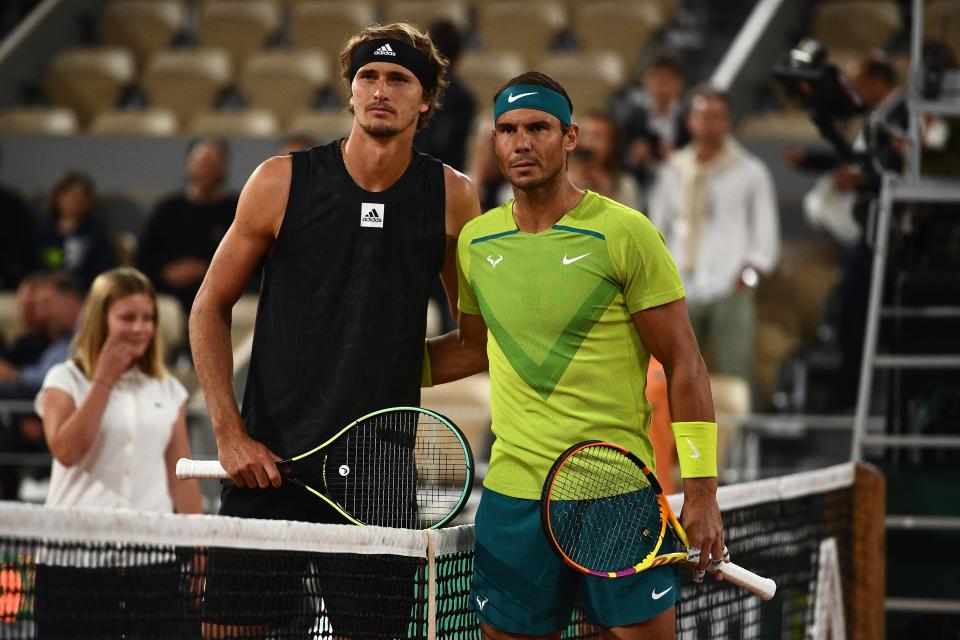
127,128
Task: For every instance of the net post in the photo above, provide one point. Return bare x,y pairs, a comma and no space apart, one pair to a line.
431,584
867,616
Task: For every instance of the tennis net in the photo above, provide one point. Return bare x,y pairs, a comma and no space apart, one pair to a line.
94,573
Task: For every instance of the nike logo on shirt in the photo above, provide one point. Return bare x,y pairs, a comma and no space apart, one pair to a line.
567,260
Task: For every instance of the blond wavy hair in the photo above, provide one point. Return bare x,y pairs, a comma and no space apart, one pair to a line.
411,35
109,287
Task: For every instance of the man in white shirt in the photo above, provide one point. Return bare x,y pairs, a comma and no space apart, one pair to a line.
716,206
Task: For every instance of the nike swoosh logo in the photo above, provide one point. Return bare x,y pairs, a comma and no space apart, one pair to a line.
696,452
657,596
514,98
567,260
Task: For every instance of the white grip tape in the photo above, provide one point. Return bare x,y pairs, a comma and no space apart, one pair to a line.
188,469
764,588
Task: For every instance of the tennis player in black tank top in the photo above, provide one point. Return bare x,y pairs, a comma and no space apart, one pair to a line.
354,234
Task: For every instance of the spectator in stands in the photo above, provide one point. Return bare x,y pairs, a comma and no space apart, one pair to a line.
445,138
492,188
18,247
115,422
595,162
57,304
716,206
650,116
295,142
71,239
186,228
27,347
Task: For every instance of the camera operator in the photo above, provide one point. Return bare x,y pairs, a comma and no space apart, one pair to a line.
841,201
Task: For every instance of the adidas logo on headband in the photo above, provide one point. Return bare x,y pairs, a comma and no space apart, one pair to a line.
385,50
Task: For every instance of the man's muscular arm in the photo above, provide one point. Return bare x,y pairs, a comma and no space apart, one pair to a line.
667,333
255,227
462,205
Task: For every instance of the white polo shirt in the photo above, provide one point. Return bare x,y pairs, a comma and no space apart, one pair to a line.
125,467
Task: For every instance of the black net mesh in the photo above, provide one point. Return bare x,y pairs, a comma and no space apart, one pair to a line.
70,574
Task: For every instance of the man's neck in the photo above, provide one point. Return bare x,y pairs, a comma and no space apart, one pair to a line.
537,210
375,164
707,151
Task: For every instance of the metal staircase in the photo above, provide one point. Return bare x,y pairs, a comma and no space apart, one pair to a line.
922,467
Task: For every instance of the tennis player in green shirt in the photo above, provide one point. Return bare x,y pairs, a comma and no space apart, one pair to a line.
576,292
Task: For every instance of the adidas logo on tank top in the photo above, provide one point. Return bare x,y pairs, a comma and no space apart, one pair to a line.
371,214
385,50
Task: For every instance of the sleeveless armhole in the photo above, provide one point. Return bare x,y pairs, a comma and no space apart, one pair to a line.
439,195
298,199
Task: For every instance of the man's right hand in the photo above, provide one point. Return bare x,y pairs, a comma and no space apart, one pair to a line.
250,463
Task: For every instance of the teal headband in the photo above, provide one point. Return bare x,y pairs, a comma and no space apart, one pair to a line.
533,96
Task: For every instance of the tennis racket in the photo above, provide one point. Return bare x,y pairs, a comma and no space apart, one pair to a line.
404,467
604,513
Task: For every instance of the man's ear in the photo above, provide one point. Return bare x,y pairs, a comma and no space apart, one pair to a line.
570,137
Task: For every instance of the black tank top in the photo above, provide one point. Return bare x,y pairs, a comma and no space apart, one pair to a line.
342,313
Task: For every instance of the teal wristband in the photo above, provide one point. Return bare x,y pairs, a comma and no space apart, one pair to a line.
696,448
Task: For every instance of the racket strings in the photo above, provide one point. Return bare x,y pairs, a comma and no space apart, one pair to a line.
604,515
404,468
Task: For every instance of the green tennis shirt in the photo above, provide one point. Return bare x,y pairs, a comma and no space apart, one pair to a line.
566,361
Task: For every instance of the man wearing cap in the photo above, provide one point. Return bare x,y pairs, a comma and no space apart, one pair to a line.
577,292
353,234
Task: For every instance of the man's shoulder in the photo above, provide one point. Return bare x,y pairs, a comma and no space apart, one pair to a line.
490,223
612,217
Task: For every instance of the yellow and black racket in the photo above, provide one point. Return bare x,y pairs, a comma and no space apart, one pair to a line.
404,467
604,513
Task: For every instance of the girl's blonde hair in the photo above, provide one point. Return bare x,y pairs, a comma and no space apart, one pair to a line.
109,287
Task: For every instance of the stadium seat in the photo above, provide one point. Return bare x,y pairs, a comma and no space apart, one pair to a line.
424,12
792,125
588,76
148,122
322,126
171,325
251,123
484,72
527,27
143,26
624,27
186,81
327,24
239,27
89,80
855,24
284,81
941,21
47,121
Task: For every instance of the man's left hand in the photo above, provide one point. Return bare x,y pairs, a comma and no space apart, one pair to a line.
700,518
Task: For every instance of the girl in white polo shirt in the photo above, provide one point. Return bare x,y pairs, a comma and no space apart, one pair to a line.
115,422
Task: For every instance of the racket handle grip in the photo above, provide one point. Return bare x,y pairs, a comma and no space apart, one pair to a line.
188,469
763,588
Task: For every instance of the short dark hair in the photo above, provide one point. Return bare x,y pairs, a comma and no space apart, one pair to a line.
708,92
667,62
447,38
541,80
878,67
63,282
219,143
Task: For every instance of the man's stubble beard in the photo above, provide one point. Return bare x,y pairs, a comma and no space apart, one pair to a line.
383,130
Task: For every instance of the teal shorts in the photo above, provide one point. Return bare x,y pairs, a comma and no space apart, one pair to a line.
521,586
